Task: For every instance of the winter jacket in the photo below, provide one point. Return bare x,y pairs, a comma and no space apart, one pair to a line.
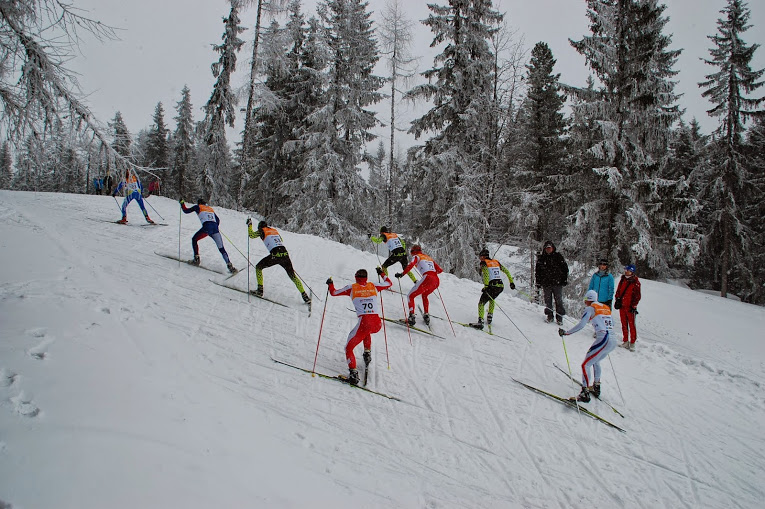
603,283
552,269
627,293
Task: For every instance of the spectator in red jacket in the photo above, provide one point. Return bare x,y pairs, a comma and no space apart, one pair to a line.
626,301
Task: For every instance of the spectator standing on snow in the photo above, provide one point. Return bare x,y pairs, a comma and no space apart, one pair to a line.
277,255
210,222
600,316
626,301
492,286
108,183
551,275
427,283
603,282
133,190
364,295
396,250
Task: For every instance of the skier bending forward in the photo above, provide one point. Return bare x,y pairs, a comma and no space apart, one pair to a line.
363,293
600,316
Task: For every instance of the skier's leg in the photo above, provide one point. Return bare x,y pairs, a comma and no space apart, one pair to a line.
195,240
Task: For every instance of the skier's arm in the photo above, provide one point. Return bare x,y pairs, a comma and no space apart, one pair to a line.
119,187
635,296
386,283
588,314
376,240
189,210
485,275
217,219
438,269
414,261
507,273
346,290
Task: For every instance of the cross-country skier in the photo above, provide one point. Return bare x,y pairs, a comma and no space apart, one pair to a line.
492,285
210,222
426,285
133,192
396,250
277,255
363,293
600,316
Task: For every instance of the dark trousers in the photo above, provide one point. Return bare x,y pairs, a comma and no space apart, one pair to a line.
557,292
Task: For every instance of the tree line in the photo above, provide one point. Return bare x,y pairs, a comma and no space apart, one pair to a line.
618,174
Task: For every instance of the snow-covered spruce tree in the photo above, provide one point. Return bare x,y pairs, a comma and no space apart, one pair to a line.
280,115
396,33
6,165
634,109
457,158
330,198
216,181
122,140
249,136
544,157
181,182
379,181
755,211
729,238
158,149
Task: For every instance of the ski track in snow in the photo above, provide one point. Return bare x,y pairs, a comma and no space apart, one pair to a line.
198,357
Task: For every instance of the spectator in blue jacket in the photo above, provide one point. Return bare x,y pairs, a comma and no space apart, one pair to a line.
603,283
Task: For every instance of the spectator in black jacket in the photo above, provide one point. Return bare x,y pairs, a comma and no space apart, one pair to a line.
552,275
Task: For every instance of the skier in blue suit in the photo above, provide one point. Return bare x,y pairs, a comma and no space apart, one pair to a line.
133,192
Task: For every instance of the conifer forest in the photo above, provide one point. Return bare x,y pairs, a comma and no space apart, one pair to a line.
505,152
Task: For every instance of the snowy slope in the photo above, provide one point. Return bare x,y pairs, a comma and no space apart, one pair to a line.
129,380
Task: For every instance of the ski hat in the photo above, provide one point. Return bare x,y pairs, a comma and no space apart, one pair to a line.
415,249
384,229
262,224
361,276
630,268
591,296
201,201
484,253
548,243
603,261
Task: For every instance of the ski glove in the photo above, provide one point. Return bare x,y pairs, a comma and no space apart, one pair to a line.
369,235
249,222
561,332
399,275
329,281
512,285
634,311
379,271
182,201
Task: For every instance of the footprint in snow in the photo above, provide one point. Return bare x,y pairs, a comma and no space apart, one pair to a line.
39,332
25,406
6,378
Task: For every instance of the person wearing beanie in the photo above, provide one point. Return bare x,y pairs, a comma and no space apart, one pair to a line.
366,302
427,284
626,301
551,275
277,255
396,249
600,316
603,282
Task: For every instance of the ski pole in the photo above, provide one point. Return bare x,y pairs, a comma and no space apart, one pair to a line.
321,326
248,260
445,311
385,332
617,380
232,243
306,284
508,317
118,203
569,370
180,217
406,321
155,210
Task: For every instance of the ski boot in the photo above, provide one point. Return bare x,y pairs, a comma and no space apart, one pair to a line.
367,357
258,292
231,268
584,396
426,319
306,298
477,325
148,219
411,320
353,376
195,261
489,318
549,319
123,220
559,320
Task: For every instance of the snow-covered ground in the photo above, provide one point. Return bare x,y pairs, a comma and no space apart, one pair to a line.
128,380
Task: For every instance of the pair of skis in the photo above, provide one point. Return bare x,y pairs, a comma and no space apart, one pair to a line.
338,378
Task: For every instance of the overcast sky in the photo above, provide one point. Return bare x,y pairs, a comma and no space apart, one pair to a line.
166,44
